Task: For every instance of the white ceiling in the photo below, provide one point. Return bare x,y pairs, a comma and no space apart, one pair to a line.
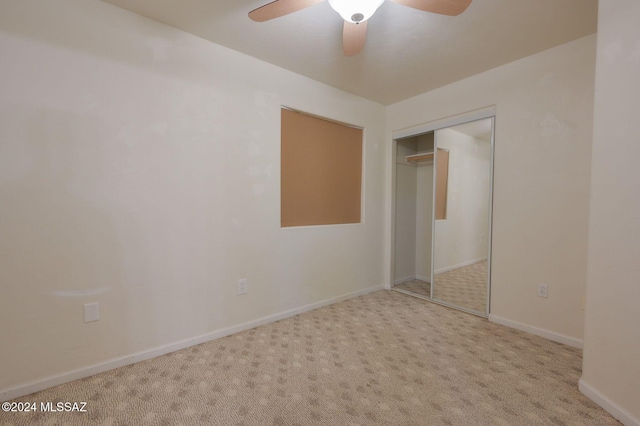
479,129
407,52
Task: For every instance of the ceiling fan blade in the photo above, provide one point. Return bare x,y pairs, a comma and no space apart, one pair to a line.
443,7
279,8
353,37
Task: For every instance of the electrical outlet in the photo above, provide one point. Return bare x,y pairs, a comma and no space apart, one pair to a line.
242,286
91,312
543,291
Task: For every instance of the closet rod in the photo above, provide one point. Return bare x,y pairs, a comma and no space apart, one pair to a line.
415,158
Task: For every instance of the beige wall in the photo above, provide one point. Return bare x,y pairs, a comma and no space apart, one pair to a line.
139,168
424,215
611,373
543,139
405,226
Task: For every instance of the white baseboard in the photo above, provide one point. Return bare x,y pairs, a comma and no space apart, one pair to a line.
411,278
460,265
556,337
404,280
47,382
611,407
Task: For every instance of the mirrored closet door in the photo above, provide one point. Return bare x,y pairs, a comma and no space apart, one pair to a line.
443,192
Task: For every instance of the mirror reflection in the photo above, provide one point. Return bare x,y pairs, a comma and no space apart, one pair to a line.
461,233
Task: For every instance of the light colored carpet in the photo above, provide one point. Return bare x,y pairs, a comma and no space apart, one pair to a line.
465,287
379,359
418,287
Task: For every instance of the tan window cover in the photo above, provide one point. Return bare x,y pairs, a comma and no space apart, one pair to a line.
442,183
321,171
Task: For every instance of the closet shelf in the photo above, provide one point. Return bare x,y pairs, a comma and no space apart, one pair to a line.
417,158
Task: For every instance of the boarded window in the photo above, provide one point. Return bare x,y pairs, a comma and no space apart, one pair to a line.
321,171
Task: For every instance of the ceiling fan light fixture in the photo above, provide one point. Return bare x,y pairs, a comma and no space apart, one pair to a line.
355,11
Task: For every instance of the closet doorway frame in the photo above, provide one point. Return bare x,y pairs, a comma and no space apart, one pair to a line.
434,126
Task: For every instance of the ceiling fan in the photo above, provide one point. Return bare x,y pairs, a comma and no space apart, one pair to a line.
355,14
